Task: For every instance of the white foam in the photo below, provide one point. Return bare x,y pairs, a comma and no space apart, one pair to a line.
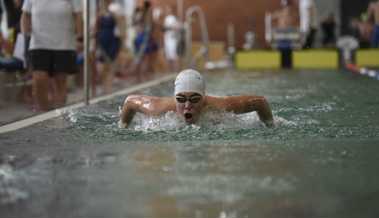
6,173
210,120
9,193
168,121
280,121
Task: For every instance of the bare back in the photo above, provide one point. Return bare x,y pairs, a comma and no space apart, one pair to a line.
284,18
236,104
374,11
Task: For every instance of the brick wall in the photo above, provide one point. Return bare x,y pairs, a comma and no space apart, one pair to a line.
244,14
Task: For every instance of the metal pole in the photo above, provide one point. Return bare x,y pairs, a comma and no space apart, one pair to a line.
87,76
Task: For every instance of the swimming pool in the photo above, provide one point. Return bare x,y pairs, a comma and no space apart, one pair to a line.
320,161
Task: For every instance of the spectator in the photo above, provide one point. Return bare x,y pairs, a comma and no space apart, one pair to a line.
362,30
108,43
53,26
145,44
285,18
171,27
17,61
13,10
308,21
328,26
285,26
373,13
1,20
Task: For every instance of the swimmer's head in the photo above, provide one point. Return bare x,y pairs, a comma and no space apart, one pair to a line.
189,81
189,95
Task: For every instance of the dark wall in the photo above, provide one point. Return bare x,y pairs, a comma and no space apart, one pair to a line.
244,14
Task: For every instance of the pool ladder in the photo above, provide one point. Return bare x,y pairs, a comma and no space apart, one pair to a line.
204,49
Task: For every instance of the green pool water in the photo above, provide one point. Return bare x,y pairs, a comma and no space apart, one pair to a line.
320,160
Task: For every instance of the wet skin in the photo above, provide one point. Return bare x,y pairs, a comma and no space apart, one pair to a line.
189,105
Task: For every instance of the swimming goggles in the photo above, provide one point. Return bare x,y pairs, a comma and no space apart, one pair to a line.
195,98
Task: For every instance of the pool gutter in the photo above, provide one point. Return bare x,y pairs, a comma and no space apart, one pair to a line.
56,113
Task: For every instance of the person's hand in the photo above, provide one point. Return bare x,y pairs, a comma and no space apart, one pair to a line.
270,123
122,125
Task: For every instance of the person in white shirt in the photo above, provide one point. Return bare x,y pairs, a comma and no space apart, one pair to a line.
54,26
308,21
171,38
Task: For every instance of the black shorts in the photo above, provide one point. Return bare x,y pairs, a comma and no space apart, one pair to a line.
53,61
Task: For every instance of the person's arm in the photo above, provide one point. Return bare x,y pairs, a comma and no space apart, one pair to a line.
148,105
78,25
245,104
1,18
370,11
26,23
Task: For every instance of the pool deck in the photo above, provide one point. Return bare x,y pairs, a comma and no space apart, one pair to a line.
18,110
17,115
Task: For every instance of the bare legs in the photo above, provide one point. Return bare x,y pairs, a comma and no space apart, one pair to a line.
59,89
41,89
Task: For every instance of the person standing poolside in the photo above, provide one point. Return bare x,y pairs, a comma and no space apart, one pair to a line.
145,44
109,42
190,101
373,12
308,21
285,19
54,27
171,39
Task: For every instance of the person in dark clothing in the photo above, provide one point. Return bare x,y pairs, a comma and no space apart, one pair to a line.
361,30
1,34
13,9
108,43
1,12
145,43
328,26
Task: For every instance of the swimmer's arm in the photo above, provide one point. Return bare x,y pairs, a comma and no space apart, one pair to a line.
127,112
148,105
256,103
246,104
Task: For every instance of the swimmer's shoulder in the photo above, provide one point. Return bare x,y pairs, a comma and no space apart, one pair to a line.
160,105
164,104
152,105
215,102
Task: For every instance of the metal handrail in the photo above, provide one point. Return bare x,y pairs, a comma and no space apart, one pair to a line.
86,33
204,35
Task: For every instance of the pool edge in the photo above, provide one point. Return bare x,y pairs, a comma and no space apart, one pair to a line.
55,113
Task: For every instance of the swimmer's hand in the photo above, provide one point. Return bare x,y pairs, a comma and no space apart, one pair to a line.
269,123
122,125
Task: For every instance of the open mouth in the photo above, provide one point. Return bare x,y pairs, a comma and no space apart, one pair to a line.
188,116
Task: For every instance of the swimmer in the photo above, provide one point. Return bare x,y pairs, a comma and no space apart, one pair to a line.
190,101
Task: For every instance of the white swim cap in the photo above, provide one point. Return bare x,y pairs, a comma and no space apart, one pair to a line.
189,81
